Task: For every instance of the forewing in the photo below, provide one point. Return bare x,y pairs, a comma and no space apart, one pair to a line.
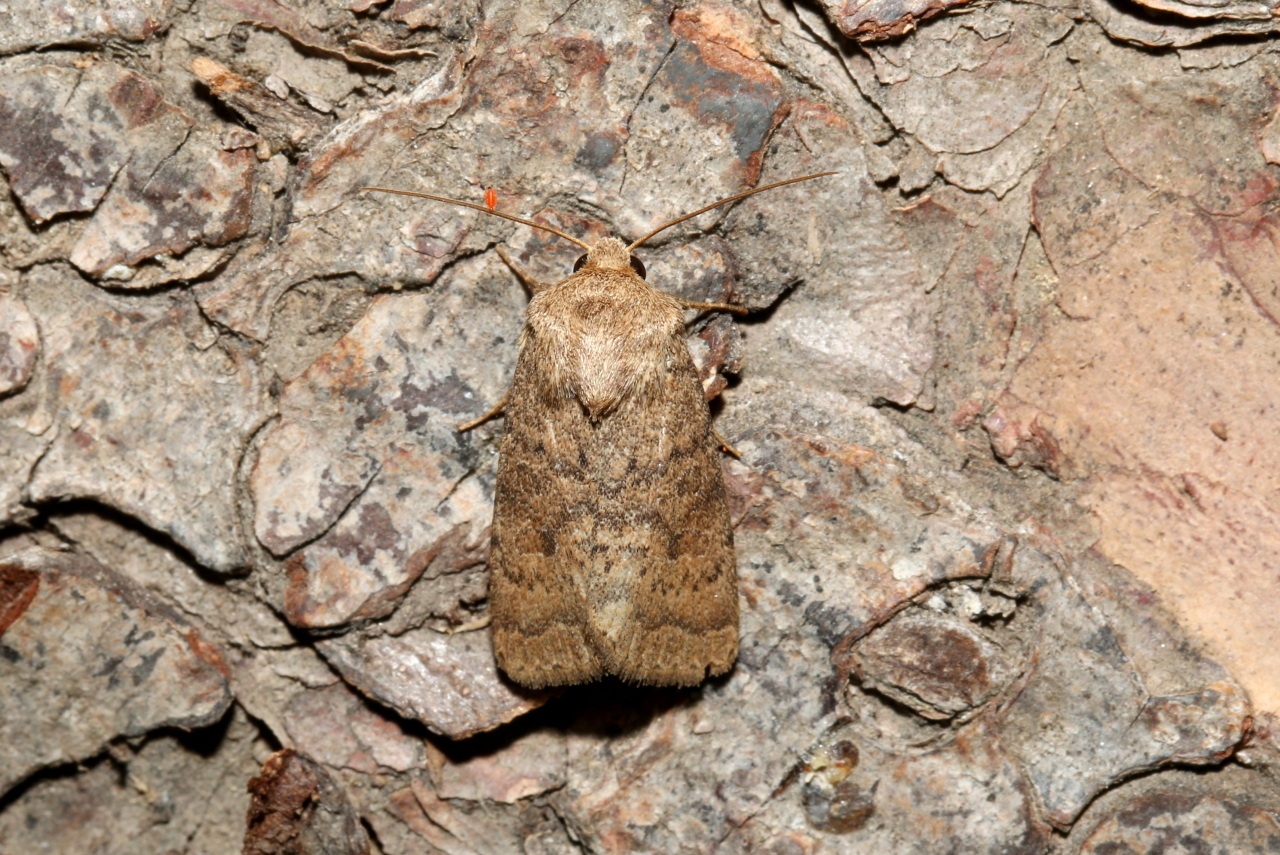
612,551
538,613
660,579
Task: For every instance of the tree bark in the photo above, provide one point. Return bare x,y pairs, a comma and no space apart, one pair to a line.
1005,502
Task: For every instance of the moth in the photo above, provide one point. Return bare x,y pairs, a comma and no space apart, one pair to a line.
612,548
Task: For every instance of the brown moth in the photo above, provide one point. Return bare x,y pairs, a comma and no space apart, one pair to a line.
612,550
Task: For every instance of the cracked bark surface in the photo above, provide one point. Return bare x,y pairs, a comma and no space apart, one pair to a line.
1007,502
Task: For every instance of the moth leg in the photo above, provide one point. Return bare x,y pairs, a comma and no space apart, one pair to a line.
528,281
533,285
725,446
471,625
716,307
493,411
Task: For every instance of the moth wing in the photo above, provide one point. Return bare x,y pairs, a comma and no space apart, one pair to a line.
540,634
612,551
660,573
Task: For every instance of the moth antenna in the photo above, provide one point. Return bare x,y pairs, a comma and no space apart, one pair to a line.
484,210
732,198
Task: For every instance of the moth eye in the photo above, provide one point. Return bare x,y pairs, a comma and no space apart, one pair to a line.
577,265
638,266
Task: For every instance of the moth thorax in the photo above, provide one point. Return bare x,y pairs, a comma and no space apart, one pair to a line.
609,253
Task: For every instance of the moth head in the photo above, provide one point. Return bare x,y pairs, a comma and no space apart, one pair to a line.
609,253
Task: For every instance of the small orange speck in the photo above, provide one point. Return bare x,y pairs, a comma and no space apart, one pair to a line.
491,198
